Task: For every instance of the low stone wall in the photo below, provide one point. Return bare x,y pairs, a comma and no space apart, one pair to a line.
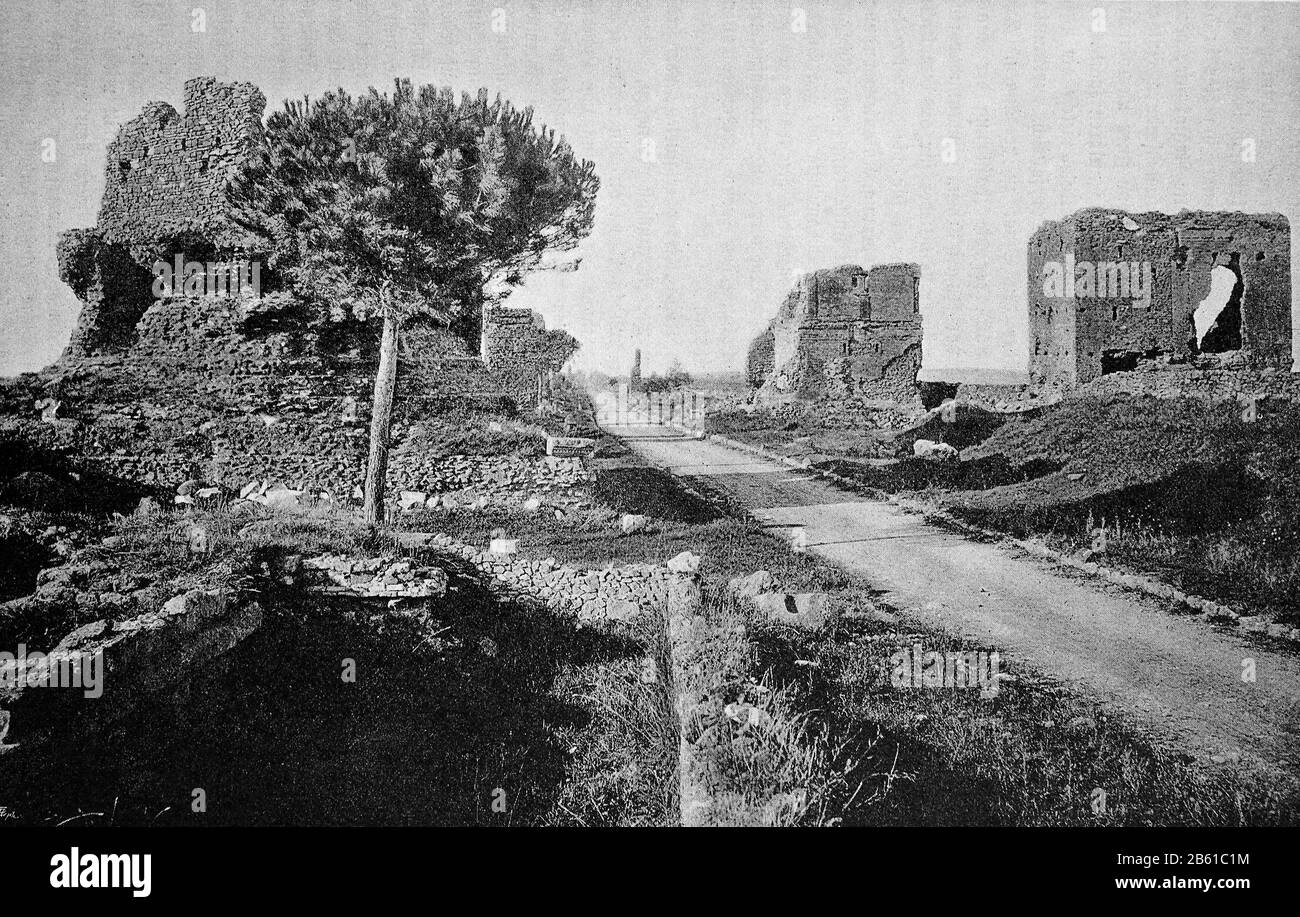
614,593
502,480
1006,399
1191,382
1157,380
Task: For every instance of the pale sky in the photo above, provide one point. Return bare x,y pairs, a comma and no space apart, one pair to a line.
776,151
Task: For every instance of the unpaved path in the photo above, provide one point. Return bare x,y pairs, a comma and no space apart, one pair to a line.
1181,678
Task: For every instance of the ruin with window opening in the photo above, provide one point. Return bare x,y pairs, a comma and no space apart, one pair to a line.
1109,290
843,332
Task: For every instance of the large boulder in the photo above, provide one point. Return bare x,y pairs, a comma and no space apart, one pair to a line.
685,562
937,452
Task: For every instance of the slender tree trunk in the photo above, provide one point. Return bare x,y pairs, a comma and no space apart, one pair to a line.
381,418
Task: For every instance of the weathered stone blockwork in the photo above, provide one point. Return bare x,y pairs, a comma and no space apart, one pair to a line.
843,332
197,395
258,362
165,193
168,173
1104,327
521,354
113,288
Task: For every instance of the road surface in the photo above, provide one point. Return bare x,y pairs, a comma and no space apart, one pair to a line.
1182,678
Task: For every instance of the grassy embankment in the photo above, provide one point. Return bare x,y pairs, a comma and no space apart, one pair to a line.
1186,490
467,700
1033,755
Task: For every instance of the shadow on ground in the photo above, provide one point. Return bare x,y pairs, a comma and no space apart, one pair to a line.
452,720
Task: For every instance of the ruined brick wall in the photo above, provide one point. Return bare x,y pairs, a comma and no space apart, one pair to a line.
1098,326
1266,386
760,360
114,290
198,395
897,379
167,173
843,332
228,388
165,186
518,351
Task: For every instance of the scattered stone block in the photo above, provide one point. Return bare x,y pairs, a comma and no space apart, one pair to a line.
284,499
412,500
685,562
929,449
568,446
197,536
749,586
807,610
49,408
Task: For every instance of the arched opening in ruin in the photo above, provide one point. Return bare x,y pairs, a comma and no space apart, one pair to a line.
1217,319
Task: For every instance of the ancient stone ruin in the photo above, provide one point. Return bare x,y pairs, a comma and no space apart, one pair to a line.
1108,289
165,186
840,333
166,197
521,353
167,173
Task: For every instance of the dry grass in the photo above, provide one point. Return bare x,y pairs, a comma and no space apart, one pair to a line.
922,756
760,758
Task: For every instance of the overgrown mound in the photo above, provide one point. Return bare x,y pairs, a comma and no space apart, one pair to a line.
1209,492
230,390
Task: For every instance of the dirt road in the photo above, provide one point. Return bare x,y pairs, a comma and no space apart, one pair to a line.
1181,677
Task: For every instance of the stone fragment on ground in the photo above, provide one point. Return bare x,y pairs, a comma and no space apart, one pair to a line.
807,610
929,449
754,584
685,562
